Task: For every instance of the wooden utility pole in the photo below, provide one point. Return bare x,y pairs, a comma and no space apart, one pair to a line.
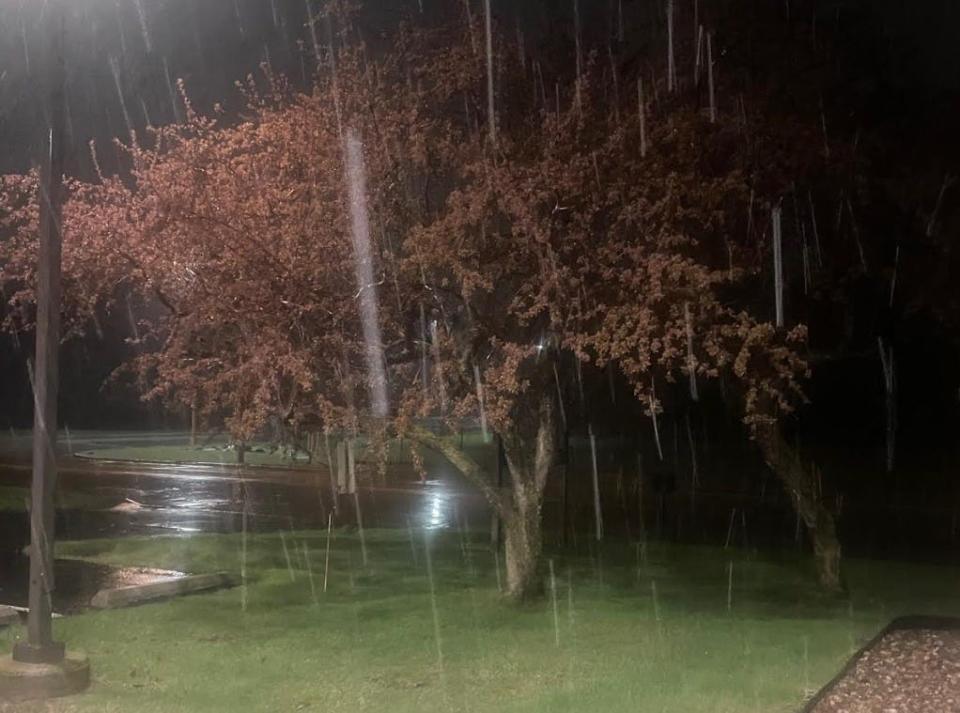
39,647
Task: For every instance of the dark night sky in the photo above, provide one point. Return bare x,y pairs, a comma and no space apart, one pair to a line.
212,44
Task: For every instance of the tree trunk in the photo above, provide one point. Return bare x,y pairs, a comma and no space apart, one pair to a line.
520,506
803,485
826,551
523,514
523,545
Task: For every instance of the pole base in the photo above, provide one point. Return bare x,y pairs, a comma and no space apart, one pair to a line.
52,652
20,681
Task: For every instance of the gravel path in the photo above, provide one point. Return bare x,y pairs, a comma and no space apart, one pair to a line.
907,671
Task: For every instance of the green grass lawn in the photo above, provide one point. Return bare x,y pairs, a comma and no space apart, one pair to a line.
264,455
259,455
374,642
183,453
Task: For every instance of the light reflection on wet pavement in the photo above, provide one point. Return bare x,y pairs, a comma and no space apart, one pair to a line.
151,499
142,498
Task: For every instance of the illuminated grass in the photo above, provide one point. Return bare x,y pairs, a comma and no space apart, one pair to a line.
368,643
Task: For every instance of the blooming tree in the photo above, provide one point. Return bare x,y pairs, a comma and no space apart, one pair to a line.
496,256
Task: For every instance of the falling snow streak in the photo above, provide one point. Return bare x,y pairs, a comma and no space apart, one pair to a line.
115,71
438,367
286,557
778,265
359,515
413,544
174,103
932,223
563,410
691,359
312,24
144,28
671,65
730,586
334,492
469,14
816,232
433,598
642,111
243,548
698,58
363,267
309,567
334,80
640,478
889,381
696,26
522,50
579,55
134,329
579,373
350,454
855,230
424,378
239,17
653,416
710,83
146,113
597,510
26,46
483,410
491,108
823,128
326,556
694,469
893,277
121,33
553,599
616,83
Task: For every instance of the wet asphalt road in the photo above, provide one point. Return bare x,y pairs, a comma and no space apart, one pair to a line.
143,498
154,499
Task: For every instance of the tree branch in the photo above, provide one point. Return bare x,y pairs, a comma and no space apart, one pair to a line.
460,460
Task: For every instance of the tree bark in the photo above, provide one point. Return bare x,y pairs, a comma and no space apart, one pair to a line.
523,545
521,505
523,521
802,482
